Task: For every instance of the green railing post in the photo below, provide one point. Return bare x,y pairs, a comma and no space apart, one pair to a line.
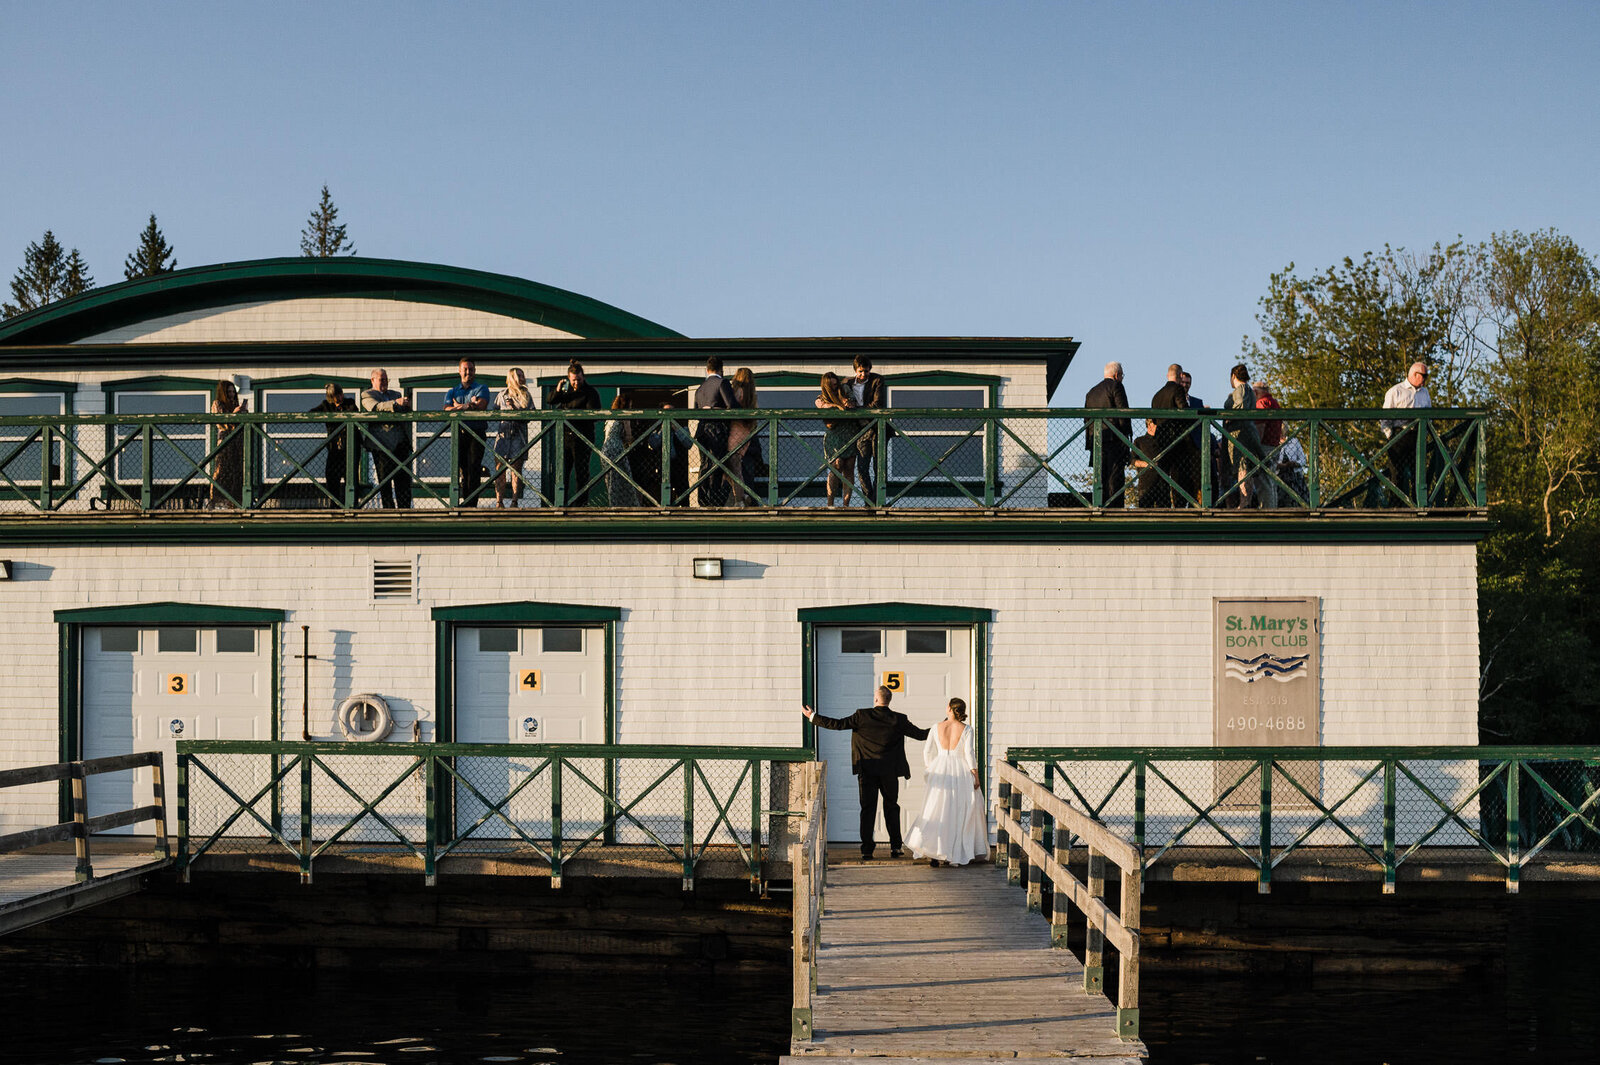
430,792
755,823
556,762
1313,466
149,458
991,461
183,816
352,463
1264,873
688,824
667,440
1139,768
1096,460
1388,826
1482,476
305,818
880,462
46,438
1207,490
1419,483
1513,826
455,463
247,464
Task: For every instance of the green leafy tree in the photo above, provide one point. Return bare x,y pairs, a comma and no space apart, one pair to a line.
323,236
153,255
48,273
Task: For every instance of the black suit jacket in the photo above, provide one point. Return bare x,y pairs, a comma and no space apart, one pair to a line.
1171,397
877,739
1109,395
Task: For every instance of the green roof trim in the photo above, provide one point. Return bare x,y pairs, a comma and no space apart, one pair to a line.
527,611
169,614
203,287
895,614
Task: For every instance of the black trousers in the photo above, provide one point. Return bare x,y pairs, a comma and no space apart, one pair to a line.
866,451
333,474
1113,474
576,448
871,783
713,440
395,492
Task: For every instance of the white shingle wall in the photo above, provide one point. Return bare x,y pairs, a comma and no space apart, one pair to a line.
1090,644
332,318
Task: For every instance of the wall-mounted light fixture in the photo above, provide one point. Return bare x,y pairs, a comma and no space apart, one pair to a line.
5,569
708,569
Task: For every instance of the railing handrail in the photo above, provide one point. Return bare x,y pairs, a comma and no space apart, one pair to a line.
1028,857
496,750
1420,752
80,826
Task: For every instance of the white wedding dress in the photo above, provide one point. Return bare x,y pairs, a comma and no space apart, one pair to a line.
954,824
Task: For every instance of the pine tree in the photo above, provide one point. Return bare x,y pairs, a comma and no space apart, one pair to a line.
153,255
48,273
323,237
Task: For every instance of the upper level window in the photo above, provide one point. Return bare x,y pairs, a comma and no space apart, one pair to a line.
176,449
21,449
941,446
432,452
295,442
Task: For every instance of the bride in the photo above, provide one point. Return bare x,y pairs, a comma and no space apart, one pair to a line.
953,827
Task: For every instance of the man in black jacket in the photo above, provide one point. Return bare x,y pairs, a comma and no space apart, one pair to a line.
1109,395
878,759
1175,444
711,436
577,438
866,388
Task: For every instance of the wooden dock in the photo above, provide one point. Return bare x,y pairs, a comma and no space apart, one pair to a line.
35,888
927,965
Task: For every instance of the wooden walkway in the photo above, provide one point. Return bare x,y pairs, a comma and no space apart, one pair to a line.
35,888
928,965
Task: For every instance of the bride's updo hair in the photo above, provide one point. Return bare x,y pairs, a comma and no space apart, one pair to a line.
959,708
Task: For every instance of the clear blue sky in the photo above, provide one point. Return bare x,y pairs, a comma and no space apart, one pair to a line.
1123,173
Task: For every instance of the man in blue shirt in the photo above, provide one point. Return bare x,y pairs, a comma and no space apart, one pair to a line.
471,394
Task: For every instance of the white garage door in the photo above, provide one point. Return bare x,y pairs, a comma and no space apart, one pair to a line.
146,688
934,665
524,685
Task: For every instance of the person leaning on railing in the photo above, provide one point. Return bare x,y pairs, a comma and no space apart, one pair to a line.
227,470
1410,394
389,442
574,392
866,389
333,456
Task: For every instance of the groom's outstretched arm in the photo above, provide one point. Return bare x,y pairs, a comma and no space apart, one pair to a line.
840,724
913,731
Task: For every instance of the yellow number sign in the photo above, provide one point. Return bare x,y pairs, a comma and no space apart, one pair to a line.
894,680
175,684
528,680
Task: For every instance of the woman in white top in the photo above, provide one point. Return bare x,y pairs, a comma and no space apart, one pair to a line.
953,828
511,439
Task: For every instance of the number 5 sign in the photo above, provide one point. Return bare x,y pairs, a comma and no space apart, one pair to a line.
894,680
176,684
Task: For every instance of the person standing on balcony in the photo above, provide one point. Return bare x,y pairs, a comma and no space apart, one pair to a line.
574,392
711,437
227,469
1244,439
837,450
866,388
389,442
739,432
1271,440
511,439
333,456
470,395
1113,434
1177,456
1410,394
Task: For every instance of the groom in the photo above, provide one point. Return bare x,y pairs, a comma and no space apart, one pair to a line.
878,759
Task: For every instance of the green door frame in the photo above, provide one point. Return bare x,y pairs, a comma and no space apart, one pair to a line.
69,685
446,619
897,615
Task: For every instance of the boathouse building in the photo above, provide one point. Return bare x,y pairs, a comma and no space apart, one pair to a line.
168,572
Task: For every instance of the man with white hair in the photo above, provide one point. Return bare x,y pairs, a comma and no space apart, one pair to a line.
1410,394
1113,433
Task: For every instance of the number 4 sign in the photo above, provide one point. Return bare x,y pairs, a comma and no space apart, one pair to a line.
528,680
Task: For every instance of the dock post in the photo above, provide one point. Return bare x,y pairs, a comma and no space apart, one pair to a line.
430,791
80,823
158,796
1035,870
688,824
555,817
1128,962
1003,803
1060,913
800,1016
183,817
1094,944
1014,857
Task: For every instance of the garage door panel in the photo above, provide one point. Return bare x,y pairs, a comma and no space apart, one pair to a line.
231,683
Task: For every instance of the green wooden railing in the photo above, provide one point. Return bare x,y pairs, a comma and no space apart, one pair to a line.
435,801
984,459
1388,805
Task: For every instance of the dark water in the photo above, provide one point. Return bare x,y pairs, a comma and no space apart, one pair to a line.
1539,1001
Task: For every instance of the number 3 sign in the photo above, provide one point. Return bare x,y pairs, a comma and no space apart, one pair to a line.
176,684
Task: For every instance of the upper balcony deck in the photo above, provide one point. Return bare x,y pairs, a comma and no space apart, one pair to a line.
347,475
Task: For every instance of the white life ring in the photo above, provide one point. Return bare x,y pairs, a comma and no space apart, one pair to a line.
365,718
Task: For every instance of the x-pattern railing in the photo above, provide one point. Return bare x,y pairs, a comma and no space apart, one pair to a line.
1391,804
539,787
985,458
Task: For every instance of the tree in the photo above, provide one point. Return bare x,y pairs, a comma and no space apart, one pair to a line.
153,255
323,237
1544,378
48,273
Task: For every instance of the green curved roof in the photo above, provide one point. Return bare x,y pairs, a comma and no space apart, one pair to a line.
202,287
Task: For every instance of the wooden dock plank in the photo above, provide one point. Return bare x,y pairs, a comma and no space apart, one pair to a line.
37,887
924,964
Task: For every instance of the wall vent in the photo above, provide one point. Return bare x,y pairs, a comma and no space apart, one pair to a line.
393,581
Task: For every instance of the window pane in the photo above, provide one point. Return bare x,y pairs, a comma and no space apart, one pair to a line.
236,641
432,461
912,455
926,641
861,641
497,640
785,398
119,640
179,640
563,640
31,403
163,402
295,401
915,398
